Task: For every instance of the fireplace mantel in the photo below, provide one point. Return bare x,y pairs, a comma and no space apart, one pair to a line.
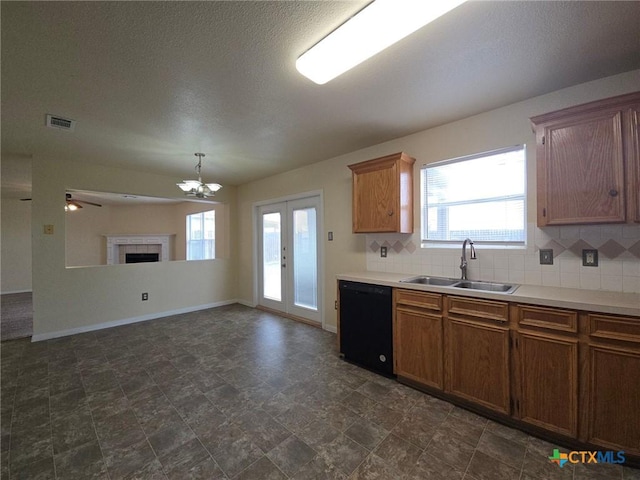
114,242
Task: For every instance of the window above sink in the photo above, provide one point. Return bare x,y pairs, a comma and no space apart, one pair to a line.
480,196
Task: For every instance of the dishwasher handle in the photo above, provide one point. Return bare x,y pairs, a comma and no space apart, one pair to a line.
364,288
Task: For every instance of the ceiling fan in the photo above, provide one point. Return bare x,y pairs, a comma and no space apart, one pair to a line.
71,204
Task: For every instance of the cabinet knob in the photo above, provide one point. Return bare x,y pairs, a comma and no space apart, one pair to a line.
613,192
390,213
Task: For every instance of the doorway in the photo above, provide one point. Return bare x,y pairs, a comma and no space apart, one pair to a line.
289,257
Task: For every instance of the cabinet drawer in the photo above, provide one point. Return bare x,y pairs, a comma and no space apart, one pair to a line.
477,308
614,328
549,318
430,301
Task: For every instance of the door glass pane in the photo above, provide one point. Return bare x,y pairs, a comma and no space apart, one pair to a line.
271,252
305,283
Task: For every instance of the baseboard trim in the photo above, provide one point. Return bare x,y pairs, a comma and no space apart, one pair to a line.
246,303
126,321
16,291
289,316
330,328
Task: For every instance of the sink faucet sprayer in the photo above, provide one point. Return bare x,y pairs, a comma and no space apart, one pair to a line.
463,259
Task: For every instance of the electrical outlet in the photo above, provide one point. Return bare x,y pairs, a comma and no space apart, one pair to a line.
145,296
383,252
590,258
330,236
546,256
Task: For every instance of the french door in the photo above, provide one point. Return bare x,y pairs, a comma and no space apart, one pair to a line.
288,257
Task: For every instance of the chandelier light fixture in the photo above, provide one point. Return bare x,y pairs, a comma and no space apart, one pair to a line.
196,188
374,28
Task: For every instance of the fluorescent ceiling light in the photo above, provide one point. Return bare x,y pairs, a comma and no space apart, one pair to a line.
378,26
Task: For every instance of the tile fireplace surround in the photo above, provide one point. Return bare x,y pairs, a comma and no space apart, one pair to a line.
119,245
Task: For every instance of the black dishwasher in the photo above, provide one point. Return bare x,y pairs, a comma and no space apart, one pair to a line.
365,326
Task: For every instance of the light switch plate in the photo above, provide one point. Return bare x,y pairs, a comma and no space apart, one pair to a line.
48,229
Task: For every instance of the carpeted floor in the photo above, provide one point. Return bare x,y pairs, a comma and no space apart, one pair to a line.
16,315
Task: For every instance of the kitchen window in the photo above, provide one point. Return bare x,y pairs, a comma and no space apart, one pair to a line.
201,235
482,197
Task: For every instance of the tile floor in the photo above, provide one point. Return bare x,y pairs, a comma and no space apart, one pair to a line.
236,393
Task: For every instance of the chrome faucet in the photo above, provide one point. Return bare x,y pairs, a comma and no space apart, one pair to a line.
463,259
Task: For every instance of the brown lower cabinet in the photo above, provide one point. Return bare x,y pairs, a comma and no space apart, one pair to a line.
477,352
613,383
418,337
569,374
545,355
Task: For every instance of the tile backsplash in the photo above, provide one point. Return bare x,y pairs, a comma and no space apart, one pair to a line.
618,267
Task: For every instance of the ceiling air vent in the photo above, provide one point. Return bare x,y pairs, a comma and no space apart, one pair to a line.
54,121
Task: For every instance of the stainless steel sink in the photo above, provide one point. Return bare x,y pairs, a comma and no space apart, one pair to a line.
438,281
486,286
457,283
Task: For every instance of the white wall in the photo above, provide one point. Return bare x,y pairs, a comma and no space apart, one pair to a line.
83,230
350,252
81,298
16,246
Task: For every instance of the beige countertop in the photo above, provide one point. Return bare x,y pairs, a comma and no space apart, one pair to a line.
577,299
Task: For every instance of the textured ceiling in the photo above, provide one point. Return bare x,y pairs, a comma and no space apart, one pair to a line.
150,83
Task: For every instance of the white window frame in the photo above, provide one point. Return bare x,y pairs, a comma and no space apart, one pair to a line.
424,207
200,242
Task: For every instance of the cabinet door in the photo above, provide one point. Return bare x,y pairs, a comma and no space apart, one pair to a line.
548,381
375,194
633,163
419,346
581,170
477,362
383,194
614,412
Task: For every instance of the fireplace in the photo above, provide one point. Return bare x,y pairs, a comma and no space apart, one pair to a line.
141,257
140,248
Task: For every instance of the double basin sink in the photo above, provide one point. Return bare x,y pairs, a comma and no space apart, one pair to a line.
457,283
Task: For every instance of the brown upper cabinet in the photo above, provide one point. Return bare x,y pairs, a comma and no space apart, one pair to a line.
588,163
633,155
383,194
